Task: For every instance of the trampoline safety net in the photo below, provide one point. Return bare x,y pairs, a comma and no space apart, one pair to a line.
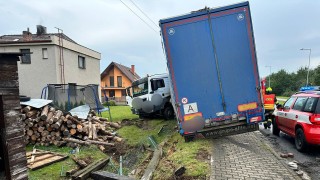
69,96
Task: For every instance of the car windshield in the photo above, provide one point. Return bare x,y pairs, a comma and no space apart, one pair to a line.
140,89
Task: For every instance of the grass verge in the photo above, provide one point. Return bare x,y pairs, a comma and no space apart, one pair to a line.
192,155
119,113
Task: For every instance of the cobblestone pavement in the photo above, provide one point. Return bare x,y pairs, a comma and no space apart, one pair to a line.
246,156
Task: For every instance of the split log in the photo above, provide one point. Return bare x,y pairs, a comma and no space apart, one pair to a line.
104,132
76,141
44,133
94,133
90,130
96,120
26,109
44,113
118,139
64,119
100,118
73,131
57,124
80,162
32,113
62,127
40,129
102,148
57,116
99,143
33,137
69,117
50,113
29,132
66,132
115,125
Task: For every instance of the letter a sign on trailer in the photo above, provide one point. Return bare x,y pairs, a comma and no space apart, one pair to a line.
190,108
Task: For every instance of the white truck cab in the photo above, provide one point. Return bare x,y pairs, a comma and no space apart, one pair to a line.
151,96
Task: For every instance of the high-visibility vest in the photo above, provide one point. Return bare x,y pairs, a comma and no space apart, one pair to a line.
268,100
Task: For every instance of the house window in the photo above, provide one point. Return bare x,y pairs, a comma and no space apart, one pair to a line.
112,93
123,92
26,58
44,53
119,80
111,81
81,62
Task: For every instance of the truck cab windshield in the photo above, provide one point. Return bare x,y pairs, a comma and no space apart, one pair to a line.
140,89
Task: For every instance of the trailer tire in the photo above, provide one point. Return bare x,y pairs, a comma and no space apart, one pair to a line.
189,138
168,112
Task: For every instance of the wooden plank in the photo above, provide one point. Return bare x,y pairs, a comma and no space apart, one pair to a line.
43,158
85,173
104,175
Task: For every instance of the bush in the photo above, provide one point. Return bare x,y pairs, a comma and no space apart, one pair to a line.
110,103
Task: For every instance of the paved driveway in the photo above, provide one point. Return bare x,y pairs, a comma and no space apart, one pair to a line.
246,156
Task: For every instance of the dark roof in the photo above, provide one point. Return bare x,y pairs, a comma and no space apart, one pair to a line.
10,55
124,69
9,39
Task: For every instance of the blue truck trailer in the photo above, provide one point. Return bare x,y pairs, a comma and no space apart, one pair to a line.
213,69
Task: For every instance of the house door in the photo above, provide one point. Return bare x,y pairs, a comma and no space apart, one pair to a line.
111,93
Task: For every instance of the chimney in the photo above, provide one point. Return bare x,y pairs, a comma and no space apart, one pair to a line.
41,30
27,36
132,69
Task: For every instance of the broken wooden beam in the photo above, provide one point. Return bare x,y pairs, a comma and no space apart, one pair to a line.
85,173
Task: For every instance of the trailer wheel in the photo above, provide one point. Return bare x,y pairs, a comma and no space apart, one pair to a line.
189,138
168,113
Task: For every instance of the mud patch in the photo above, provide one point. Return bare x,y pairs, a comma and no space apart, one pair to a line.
202,155
142,124
127,122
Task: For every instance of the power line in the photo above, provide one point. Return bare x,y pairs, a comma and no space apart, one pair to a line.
137,16
144,13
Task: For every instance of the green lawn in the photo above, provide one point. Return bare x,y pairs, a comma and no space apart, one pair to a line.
119,113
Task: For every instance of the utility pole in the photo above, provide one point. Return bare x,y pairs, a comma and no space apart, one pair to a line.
269,73
308,64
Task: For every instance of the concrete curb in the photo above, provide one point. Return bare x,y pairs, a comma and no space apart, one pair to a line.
265,143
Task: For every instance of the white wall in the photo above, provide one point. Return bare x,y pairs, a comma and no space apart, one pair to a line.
35,76
73,74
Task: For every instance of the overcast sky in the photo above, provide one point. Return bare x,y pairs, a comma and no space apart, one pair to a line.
281,28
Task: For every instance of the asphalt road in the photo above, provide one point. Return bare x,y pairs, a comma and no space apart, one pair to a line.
308,161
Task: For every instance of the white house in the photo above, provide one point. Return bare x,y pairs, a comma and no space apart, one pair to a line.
54,59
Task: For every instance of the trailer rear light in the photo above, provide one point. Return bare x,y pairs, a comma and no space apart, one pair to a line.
315,119
255,119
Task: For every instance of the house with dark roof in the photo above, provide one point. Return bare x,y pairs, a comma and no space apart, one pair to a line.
51,58
116,78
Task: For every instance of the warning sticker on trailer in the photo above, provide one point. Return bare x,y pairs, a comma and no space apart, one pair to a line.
190,108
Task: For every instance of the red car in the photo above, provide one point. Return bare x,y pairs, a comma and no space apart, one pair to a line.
299,117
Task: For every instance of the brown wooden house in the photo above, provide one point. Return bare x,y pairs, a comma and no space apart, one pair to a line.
115,79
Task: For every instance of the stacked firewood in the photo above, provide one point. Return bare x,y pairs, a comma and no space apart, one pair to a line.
47,126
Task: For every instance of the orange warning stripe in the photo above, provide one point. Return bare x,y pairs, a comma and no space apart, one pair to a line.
190,116
249,106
